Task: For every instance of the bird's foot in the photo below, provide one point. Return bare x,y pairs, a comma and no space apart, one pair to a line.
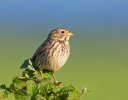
57,83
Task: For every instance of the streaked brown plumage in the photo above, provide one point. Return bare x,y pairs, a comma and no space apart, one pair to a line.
54,51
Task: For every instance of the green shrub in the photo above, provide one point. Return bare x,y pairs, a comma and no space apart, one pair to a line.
30,86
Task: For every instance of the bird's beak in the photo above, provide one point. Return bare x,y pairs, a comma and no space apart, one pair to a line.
69,34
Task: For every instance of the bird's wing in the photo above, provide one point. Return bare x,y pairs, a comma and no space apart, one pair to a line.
41,49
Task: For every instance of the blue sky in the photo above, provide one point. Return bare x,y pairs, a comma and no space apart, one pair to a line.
74,14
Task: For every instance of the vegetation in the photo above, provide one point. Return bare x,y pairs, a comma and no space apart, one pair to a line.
30,86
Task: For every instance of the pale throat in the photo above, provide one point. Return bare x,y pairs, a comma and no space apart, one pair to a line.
65,40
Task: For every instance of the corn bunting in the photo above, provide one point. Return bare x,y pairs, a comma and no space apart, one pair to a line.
53,53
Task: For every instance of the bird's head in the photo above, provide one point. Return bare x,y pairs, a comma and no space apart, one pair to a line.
60,34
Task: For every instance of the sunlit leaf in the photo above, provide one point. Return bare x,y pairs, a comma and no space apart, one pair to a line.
74,95
17,84
40,97
22,95
32,87
51,97
28,73
43,88
30,62
47,73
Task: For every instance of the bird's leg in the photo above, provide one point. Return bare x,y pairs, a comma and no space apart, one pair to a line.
54,77
55,80
41,74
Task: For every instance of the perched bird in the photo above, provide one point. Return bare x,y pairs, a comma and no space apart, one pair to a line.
53,53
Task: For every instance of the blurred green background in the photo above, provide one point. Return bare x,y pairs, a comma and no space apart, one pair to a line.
99,48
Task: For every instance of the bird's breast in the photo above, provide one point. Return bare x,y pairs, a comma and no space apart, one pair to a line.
57,56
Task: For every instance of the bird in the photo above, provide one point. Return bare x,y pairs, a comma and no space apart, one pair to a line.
53,53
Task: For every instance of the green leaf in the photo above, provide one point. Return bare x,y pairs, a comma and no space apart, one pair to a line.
17,84
8,91
40,97
14,78
56,89
47,73
51,97
46,87
32,87
3,86
22,95
25,64
28,73
67,88
74,95
63,96
30,62
50,87
3,93
23,78
43,88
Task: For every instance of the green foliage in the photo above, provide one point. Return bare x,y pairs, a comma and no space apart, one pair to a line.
30,86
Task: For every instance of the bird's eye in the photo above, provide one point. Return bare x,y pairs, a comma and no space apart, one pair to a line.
62,31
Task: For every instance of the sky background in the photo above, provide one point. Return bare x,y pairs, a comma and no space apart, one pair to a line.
99,47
